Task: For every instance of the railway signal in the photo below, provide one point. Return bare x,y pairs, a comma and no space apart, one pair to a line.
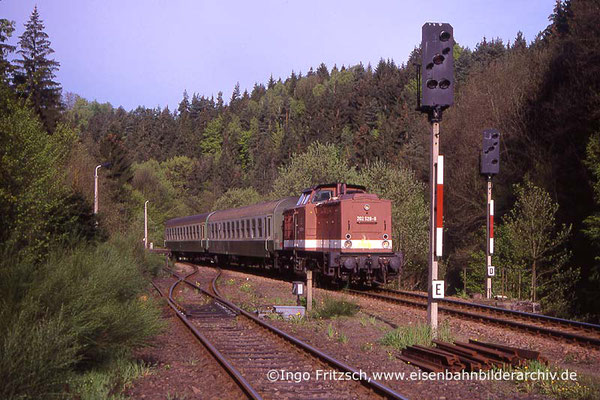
490,166
437,94
437,68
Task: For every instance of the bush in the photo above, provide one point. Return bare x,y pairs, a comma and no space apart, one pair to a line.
79,309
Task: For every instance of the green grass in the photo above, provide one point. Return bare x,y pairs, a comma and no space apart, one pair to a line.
578,389
109,380
246,287
332,308
415,334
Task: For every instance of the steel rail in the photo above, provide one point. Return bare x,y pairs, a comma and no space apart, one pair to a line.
231,370
521,314
481,317
368,383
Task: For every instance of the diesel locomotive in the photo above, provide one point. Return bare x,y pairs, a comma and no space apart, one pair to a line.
338,230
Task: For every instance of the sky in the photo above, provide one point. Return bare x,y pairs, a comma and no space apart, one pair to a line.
134,53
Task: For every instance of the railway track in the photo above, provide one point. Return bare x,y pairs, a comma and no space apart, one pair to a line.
250,350
574,331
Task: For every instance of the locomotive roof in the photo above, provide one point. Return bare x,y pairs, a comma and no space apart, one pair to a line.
348,186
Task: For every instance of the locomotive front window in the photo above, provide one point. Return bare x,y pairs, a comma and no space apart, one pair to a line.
322,195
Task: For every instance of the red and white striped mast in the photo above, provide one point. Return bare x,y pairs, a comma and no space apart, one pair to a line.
490,239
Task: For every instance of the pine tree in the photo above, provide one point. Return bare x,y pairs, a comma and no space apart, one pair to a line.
35,72
6,30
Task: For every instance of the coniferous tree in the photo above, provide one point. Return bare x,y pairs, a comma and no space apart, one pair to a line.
6,30
35,72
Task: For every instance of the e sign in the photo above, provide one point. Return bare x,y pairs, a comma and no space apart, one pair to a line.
438,289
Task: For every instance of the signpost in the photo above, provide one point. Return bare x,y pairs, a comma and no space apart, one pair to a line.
437,94
490,166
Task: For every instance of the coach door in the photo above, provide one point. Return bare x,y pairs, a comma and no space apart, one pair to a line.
267,232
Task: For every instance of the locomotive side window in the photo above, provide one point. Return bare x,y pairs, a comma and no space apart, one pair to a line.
301,199
306,199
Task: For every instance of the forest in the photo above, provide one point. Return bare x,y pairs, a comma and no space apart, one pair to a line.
354,123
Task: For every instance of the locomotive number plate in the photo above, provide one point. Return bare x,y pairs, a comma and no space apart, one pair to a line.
366,219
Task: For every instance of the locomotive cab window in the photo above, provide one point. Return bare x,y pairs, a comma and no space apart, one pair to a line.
322,195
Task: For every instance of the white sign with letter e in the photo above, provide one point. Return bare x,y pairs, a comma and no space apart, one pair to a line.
491,270
438,289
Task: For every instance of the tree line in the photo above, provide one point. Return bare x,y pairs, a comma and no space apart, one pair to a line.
358,123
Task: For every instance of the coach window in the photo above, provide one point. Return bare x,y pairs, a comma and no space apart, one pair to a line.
260,227
253,227
244,233
268,228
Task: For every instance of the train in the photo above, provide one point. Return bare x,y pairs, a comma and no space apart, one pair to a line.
338,230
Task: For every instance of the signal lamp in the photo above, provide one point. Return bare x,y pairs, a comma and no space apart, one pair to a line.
432,84
445,36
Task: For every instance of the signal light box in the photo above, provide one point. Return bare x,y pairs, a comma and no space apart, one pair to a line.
437,67
490,152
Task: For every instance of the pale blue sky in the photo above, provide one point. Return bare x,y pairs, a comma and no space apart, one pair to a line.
146,52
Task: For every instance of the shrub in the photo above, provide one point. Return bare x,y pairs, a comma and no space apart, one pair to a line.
76,311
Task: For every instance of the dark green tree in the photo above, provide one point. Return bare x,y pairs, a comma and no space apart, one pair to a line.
35,72
6,30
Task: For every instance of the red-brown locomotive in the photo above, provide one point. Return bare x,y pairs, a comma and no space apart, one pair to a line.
337,230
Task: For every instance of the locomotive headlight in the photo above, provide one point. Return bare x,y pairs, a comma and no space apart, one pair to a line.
348,236
385,236
348,244
386,244
367,207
